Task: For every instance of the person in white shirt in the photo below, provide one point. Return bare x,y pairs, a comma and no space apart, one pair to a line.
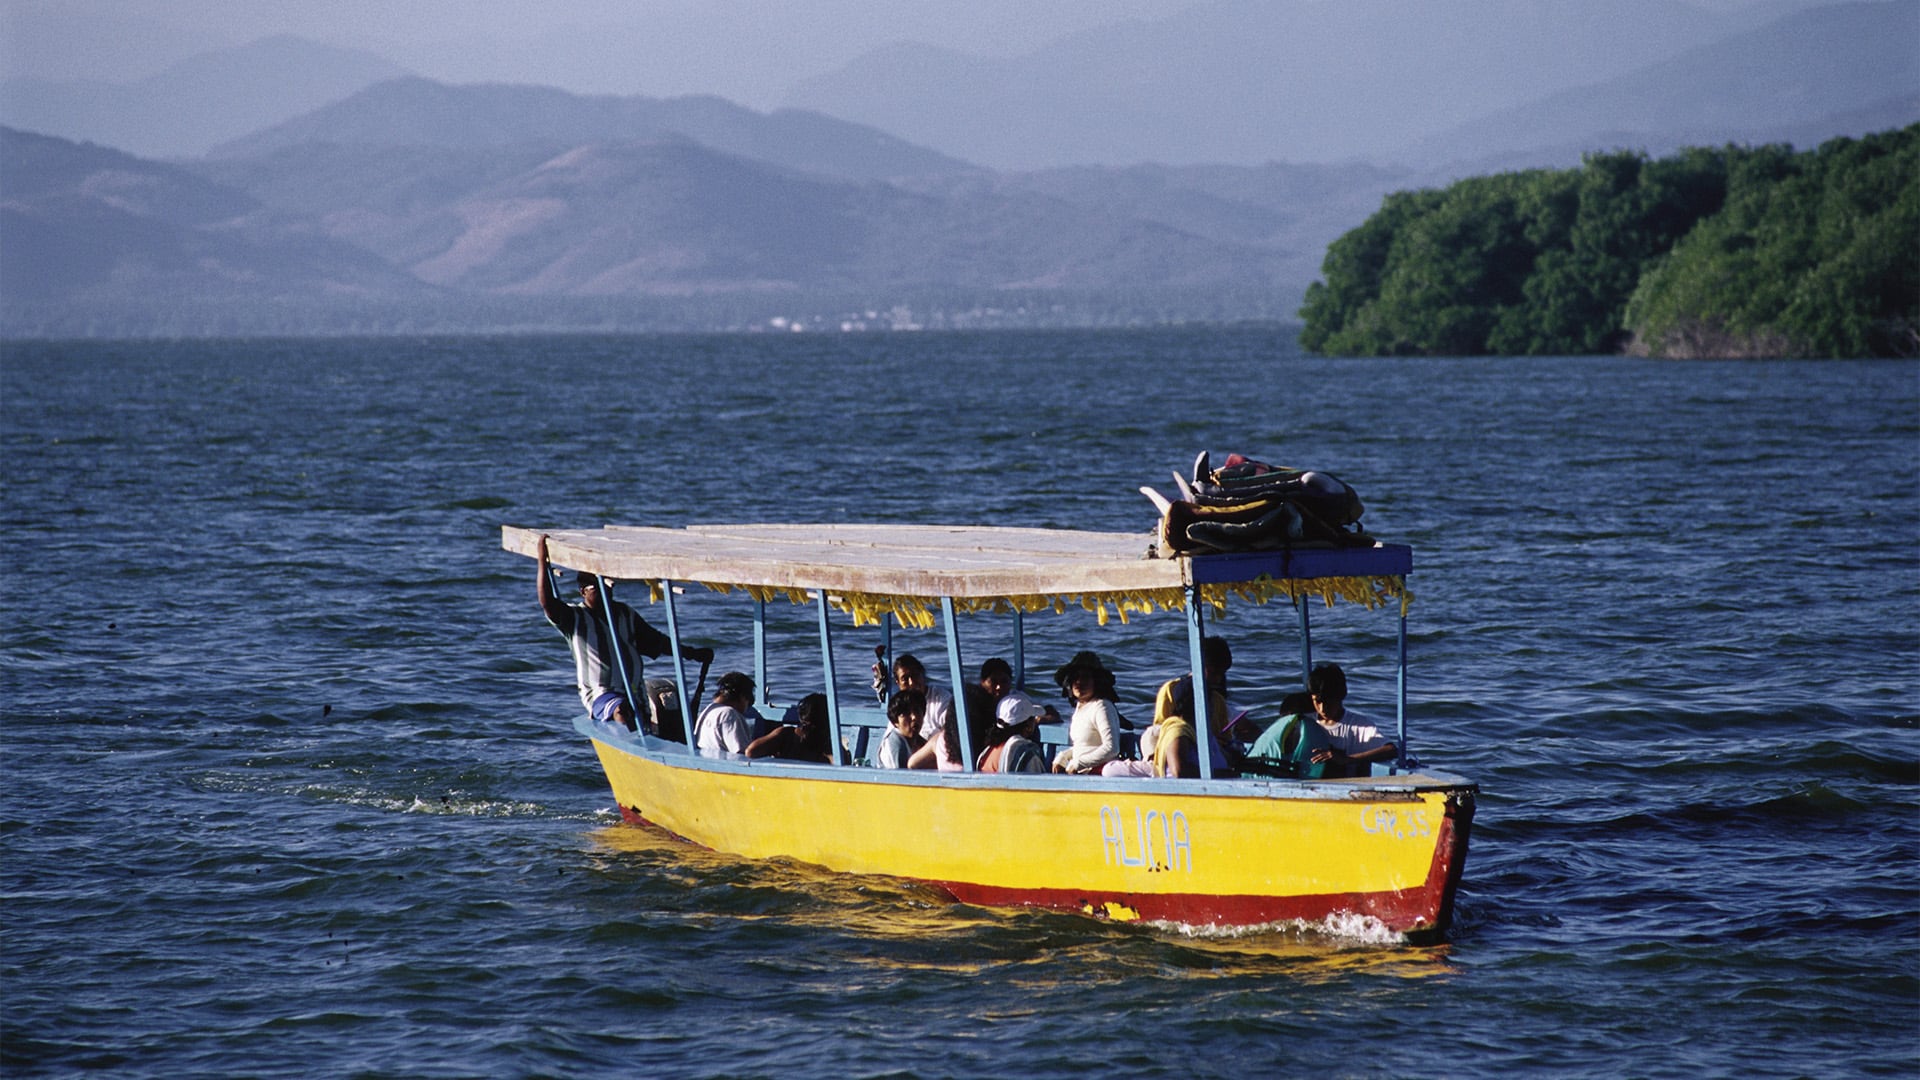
939,747
1355,743
1093,733
724,726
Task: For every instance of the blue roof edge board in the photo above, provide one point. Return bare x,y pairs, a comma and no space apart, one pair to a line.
1384,560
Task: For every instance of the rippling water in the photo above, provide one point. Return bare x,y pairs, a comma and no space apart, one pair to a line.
290,786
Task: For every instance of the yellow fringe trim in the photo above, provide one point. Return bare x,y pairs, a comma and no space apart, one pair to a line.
921,612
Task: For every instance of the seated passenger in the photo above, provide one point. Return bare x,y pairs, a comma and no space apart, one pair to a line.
980,712
1013,747
1354,743
1092,738
910,674
725,725
904,713
1011,705
1175,753
1286,747
805,739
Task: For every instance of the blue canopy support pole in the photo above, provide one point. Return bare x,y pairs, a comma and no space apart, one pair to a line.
613,646
679,662
1202,706
833,695
957,670
760,650
885,693
1019,649
1402,706
1306,640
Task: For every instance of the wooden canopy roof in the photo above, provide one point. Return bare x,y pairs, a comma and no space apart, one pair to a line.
906,560
975,565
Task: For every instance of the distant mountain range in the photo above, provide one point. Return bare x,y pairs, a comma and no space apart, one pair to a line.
1425,84
408,195
81,225
429,195
1422,83
422,113
1848,69
628,216
198,103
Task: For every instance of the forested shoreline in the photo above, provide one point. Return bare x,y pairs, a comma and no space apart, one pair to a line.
1710,252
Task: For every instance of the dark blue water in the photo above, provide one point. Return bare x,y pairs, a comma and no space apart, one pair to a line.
290,788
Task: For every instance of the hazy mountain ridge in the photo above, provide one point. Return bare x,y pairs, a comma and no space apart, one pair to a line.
1298,80
675,216
1290,212
1845,69
84,223
197,103
97,228
420,112
1246,80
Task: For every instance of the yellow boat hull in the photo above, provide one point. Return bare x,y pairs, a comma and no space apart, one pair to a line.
1223,852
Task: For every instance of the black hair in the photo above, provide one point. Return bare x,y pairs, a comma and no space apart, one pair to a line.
1298,703
906,703
1214,650
811,710
1327,682
812,715
738,683
911,663
1088,663
996,666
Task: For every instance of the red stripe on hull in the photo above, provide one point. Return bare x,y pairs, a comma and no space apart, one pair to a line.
1423,913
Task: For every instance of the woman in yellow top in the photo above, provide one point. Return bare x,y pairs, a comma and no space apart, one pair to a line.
1175,751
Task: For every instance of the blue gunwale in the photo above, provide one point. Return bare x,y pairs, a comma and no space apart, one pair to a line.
679,756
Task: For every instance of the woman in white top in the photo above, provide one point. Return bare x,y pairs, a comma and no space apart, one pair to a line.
1092,735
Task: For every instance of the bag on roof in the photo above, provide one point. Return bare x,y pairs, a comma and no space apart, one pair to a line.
1248,505
1242,480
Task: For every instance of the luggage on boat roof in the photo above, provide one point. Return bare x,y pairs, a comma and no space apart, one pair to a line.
1249,505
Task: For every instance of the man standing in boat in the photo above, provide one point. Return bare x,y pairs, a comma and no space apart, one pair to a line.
597,670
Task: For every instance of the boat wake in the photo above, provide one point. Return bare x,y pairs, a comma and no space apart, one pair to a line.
1342,927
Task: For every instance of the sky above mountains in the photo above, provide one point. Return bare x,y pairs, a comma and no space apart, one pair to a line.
753,52
748,51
